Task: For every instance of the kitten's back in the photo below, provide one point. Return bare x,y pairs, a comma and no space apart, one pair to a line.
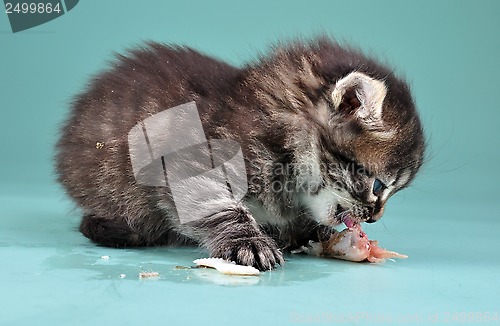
92,161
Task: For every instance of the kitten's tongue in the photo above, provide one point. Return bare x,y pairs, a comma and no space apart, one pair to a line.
348,222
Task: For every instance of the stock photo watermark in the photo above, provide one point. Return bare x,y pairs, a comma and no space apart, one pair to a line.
170,149
27,14
464,317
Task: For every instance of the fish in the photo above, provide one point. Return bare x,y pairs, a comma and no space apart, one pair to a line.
227,267
351,244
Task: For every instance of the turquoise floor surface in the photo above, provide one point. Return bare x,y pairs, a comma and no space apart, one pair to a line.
52,275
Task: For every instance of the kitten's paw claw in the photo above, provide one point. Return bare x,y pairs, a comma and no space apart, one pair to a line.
259,252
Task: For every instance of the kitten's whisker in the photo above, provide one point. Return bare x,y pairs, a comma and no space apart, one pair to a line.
348,200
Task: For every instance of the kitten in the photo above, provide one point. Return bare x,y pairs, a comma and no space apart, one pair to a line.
327,135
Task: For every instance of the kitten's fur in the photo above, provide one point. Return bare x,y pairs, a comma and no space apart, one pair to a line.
334,118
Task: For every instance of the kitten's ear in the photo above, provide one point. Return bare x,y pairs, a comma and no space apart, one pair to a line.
359,96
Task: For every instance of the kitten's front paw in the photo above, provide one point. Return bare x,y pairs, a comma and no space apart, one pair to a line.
260,252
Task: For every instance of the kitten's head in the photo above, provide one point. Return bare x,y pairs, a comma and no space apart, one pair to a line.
349,122
369,145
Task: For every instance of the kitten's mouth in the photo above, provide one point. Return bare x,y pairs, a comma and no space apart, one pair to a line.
342,216
350,221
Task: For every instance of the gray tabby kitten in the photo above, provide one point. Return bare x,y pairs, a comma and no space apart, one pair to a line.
327,134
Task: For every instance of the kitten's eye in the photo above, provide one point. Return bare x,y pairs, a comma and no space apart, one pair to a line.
378,187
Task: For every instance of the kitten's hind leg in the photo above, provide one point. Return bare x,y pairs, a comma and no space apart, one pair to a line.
233,234
110,232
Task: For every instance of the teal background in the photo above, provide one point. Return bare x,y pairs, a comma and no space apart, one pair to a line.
448,222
